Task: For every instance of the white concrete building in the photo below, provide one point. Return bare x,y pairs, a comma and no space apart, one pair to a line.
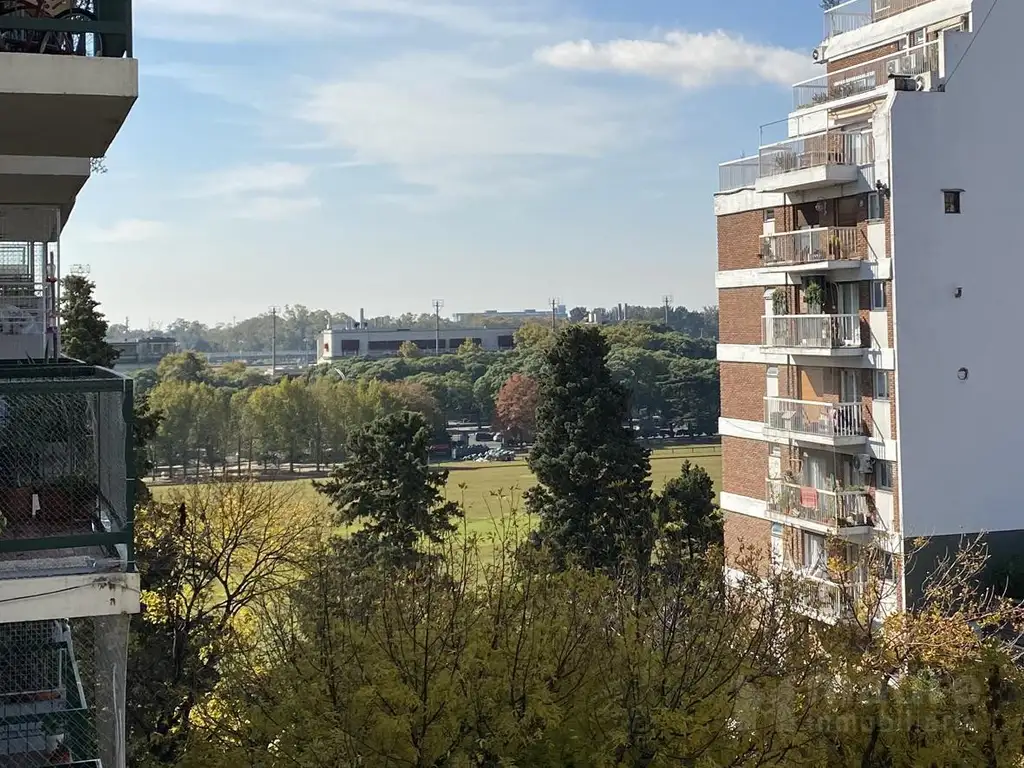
867,280
67,566
336,343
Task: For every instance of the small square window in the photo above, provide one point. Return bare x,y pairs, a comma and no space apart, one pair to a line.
916,38
878,295
775,450
875,210
951,200
881,385
769,214
883,475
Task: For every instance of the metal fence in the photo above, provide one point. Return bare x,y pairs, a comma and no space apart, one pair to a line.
811,331
66,470
94,28
62,692
738,174
816,150
806,246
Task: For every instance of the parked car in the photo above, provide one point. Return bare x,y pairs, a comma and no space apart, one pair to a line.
484,437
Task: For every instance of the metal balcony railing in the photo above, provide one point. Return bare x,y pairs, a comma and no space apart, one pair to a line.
66,469
807,246
811,331
866,77
808,417
836,509
738,174
855,14
816,150
95,28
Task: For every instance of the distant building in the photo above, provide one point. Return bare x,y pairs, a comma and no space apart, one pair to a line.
543,315
371,342
146,351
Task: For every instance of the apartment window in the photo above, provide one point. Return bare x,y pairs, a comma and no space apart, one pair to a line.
775,450
951,200
916,38
814,551
881,385
883,475
878,295
875,211
769,214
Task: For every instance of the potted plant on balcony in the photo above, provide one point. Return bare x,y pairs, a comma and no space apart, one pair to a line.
814,296
780,302
835,247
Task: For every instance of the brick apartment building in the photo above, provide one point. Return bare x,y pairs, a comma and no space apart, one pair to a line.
868,276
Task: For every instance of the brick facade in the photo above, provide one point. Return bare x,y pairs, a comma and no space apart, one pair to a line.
739,240
740,311
748,542
863,57
743,390
744,467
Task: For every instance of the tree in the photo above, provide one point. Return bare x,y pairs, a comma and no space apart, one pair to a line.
578,314
83,326
386,485
689,521
533,337
593,496
205,559
516,408
409,350
187,367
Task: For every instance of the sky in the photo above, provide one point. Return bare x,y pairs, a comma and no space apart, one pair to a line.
379,154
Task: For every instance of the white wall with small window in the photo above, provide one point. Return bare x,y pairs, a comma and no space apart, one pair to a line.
878,318
881,407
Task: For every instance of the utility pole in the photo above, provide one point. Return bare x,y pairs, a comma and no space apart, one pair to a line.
667,299
273,342
554,315
438,303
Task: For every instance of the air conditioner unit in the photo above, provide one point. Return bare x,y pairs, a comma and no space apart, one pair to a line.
924,81
818,54
864,463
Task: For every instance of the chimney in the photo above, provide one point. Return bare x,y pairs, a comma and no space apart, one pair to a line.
362,318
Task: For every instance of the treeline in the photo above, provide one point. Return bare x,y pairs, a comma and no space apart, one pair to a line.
604,628
226,418
298,326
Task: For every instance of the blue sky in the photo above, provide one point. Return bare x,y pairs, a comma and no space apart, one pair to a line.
381,153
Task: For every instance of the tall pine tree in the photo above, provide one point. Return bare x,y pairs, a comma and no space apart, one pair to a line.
83,326
593,496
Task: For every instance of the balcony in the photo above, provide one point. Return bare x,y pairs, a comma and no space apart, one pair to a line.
864,78
837,509
738,174
66,470
855,14
813,249
27,298
813,335
71,79
58,705
816,160
817,423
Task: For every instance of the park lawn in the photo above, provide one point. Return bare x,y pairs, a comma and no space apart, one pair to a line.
493,490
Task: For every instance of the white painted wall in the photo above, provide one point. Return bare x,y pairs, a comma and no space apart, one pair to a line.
69,597
881,31
961,442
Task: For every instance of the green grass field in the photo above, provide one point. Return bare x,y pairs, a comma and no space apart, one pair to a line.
477,485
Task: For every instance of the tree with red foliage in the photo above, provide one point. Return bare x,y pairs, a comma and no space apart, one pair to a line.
516,407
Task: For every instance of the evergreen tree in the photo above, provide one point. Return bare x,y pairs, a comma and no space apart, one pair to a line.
387,486
593,495
83,326
689,521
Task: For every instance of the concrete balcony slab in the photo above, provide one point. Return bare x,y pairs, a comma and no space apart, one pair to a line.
28,184
64,106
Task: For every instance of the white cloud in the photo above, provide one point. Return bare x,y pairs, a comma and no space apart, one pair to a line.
691,60
252,179
274,208
128,231
229,21
457,126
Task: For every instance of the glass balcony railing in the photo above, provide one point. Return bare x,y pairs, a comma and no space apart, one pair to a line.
864,78
816,150
738,174
95,28
838,508
66,470
812,332
852,15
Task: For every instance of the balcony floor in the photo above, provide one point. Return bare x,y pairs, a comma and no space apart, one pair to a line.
809,178
824,438
46,562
